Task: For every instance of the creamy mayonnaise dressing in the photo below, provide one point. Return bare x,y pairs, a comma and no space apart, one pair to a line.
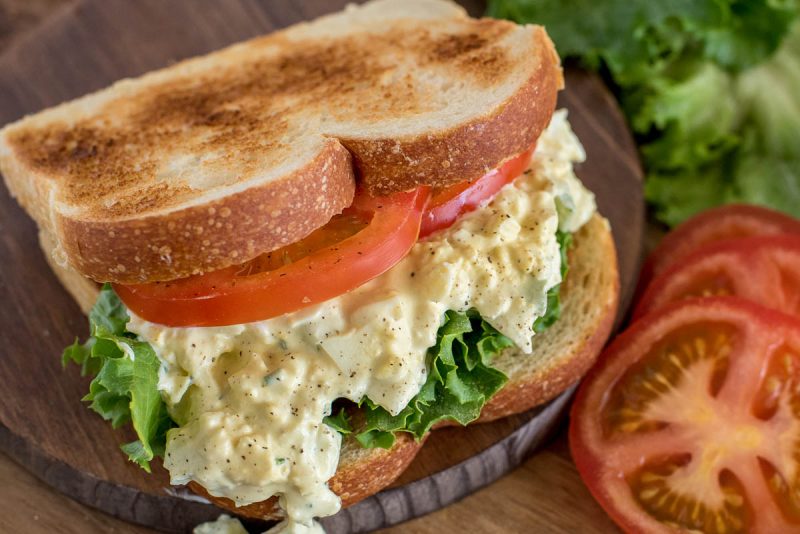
250,399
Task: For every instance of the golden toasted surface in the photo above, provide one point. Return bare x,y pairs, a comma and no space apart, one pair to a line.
140,152
274,132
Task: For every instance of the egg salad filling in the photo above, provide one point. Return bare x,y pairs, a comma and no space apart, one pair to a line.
251,403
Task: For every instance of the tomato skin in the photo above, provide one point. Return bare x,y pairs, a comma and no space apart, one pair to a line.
448,205
596,455
225,297
765,270
726,222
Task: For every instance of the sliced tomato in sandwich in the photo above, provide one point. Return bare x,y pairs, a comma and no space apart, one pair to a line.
363,242
449,203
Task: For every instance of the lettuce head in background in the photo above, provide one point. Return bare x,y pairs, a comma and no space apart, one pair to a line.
711,89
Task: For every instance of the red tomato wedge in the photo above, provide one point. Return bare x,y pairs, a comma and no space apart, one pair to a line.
765,270
690,421
448,204
355,247
726,222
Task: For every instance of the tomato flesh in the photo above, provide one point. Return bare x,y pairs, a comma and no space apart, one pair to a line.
726,222
339,228
691,421
368,239
448,204
765,270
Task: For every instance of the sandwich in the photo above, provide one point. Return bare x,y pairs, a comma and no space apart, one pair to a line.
301,254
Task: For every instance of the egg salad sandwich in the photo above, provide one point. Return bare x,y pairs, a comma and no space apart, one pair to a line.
302,253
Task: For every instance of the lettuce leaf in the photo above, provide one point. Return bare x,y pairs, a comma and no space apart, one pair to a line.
553,311
711,89
125,385
623,34
460,381
339,422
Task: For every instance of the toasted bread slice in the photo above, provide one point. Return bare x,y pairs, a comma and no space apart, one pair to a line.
215,160
565,351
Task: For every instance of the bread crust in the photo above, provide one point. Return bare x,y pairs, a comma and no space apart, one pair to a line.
518,397
358,476
82,289
469,150
567,350
215,235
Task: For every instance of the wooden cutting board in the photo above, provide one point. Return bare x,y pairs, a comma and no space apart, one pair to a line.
44,426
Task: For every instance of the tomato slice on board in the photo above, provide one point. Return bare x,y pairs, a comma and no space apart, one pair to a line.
765,270
726,222
690,421
365,241
448,204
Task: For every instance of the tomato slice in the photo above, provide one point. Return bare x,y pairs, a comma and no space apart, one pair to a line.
364,242
448,204
765,270
690,421
726,222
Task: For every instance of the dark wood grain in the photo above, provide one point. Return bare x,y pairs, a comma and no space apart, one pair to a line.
45,427
20,16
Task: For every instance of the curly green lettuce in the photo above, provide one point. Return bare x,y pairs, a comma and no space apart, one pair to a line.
711,89
553,311
339,422
125,385
460,381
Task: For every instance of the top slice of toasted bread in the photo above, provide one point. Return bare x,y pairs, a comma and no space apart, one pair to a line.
215,160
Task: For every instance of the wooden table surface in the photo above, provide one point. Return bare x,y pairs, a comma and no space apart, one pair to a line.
544,495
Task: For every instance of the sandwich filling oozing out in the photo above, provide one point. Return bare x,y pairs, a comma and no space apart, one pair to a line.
252,402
